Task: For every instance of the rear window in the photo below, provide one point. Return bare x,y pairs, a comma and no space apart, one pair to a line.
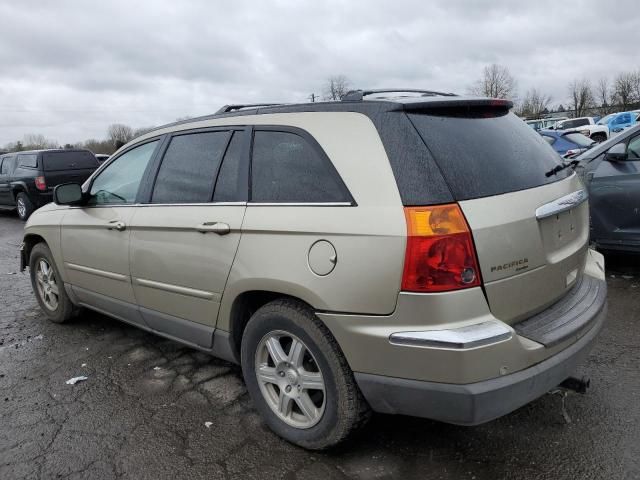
579,139
68,161
482,155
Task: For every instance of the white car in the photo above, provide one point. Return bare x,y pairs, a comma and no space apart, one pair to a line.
586,126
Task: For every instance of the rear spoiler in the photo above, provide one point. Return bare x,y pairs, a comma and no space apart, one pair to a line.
459,103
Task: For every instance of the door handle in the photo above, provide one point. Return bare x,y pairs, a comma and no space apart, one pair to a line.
216,227
116,225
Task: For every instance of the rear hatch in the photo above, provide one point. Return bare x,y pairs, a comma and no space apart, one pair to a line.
68,166
530,226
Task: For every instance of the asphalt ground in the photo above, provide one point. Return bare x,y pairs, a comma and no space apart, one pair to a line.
144,410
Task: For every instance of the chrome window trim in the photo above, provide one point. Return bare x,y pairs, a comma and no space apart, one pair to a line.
462,338
301,204
119,205
562,204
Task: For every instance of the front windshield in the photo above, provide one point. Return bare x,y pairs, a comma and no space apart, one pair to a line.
605,120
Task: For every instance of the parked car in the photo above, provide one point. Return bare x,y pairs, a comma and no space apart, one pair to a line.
567,144
27,178
421,255
611,172
617,122
102,157
544,123
587,126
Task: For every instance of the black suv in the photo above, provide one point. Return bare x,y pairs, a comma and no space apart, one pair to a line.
27,178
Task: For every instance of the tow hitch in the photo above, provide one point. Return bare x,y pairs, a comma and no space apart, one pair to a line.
578,385
571,384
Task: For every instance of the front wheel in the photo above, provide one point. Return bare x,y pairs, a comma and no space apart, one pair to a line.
599,137
48,285
298,378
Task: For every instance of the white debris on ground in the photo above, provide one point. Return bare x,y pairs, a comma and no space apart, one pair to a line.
74,380
627,277
157,368
83,365
208,424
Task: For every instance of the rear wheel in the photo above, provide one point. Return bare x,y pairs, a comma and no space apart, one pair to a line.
24,205
298,378
48,286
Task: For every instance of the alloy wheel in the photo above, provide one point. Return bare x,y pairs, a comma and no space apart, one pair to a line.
290,379
47,286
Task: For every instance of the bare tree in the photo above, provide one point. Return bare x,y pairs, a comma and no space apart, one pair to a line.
496,82
119,134
623,89
37,141
336,87
603,93
535,103
581,96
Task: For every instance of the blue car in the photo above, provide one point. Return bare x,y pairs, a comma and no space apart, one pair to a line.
619,121
567,144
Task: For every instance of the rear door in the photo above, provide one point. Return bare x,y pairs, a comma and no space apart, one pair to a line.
68,166
184,239
530,225
615,199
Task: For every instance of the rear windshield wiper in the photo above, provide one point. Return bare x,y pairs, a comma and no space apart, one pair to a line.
559,168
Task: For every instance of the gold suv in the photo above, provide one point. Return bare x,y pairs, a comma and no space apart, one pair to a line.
408,252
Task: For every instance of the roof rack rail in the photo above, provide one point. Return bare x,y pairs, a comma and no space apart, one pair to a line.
358,95
232,108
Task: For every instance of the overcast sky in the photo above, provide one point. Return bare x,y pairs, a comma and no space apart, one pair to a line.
68,69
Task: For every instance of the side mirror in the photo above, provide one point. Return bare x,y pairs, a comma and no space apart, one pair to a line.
68,194
617,153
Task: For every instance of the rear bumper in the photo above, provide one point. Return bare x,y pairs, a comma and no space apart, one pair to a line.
476,403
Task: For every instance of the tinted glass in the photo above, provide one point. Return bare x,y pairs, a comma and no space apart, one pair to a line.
481,156
633,149
286,168
573,123
231,185
7,162
119,182
68,161
189,167
30,160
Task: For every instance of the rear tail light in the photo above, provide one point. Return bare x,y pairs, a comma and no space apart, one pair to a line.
440,254
41,184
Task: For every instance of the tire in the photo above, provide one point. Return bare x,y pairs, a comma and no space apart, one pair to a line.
24,205
340,410
61,310
598,137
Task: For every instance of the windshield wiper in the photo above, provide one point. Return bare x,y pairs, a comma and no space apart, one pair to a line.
559,168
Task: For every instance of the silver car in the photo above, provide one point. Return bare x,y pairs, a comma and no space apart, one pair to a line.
417,253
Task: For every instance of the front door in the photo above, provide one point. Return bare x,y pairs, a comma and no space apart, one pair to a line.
95,237
6,198
185,238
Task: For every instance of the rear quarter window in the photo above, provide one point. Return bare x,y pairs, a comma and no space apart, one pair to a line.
28,160
62,160
482,155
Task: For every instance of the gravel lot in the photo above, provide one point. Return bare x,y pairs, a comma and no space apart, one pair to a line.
142,411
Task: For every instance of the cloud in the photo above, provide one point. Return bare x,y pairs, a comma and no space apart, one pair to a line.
71,68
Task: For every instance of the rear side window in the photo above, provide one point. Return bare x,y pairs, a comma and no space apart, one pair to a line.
7,163
62,160
481,155
189,168
231,185
29,160
288,168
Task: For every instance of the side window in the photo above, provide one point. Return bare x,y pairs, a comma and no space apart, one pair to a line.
232,179
287,169
119,182
30,160
633,149
189,167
